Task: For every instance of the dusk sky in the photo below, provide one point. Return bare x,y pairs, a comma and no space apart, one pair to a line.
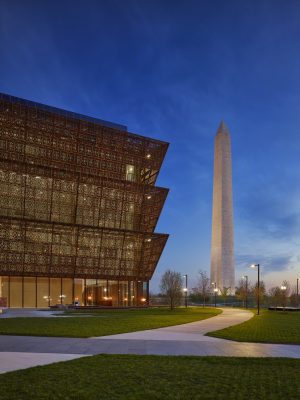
172,70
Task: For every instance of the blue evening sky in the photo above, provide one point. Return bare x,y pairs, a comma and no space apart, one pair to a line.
172,70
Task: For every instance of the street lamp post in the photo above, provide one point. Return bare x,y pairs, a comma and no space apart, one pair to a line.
258,286
186,290
246,277
215,291
298,292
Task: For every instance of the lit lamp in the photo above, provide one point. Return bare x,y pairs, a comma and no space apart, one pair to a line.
186,290
246,278
283,289
215,292
258,285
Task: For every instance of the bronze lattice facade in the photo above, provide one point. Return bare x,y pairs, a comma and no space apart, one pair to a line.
78,208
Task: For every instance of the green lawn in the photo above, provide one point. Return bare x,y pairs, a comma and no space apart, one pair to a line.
110,377
104,322
268,327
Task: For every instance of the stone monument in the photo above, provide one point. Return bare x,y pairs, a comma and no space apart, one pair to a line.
222,269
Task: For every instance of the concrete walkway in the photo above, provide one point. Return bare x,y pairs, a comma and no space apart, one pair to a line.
187,339
30,313
193,331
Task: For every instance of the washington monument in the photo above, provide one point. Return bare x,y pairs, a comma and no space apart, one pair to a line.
222,255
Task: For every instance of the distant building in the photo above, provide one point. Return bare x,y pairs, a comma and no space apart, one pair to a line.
222,252
78,208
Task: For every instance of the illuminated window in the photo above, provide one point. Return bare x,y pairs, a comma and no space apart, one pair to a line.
130,172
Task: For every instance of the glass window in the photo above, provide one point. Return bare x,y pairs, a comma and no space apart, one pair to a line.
15,291
113,293
42,292
29,292
102,294
132,294
140,293
79,292
130,172
67,291
123,293
4,292
55,291
90,292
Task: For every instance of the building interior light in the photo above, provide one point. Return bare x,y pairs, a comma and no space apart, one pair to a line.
143,299
148,156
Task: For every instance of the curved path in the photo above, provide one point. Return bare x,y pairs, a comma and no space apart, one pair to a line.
187,339
193,331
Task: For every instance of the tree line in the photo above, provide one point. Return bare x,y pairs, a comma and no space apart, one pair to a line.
171,286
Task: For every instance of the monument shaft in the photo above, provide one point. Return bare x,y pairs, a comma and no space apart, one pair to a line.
222,254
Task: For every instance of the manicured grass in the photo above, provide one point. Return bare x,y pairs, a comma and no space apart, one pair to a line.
268,327
104,322
112,377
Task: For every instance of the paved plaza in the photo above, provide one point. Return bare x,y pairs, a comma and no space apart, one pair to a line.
18,352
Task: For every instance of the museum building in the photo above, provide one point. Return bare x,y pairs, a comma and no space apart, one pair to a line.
78,209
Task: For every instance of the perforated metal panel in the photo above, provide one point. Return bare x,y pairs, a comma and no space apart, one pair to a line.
77,199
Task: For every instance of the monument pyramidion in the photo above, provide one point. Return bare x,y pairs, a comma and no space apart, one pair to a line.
222,269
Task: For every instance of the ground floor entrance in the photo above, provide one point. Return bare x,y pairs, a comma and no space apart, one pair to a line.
18,291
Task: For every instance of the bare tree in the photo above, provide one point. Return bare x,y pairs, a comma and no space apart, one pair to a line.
285,293
171,287
203,286
294,299
262,291
275,296
241,291
225,292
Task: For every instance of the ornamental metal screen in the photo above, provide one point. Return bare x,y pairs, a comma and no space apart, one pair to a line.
77,198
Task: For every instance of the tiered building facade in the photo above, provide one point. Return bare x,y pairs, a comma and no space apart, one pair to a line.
78,209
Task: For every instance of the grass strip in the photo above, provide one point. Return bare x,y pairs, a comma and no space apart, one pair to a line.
104,322
132,377
268,327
